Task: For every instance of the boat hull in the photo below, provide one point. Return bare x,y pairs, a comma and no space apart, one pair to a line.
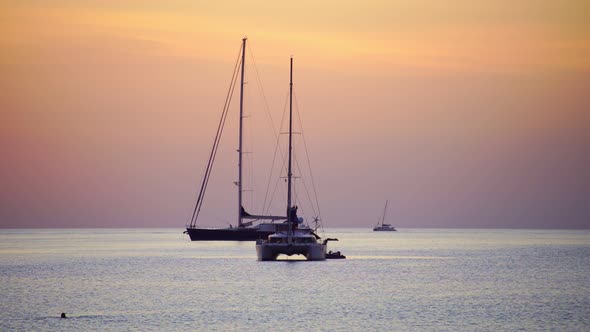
250,233
270,251
227,234
384,229
335,255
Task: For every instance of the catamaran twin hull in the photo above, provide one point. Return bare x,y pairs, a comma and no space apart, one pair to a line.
270,251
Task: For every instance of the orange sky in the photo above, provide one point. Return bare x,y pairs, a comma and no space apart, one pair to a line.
470,114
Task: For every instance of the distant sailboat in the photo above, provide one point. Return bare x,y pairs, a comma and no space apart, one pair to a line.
384,227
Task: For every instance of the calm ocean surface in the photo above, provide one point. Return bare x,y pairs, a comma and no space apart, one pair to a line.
410,280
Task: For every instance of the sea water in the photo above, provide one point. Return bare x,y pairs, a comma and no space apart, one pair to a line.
410,280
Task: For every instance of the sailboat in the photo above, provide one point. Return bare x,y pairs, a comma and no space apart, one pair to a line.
294,240
245,230
384,227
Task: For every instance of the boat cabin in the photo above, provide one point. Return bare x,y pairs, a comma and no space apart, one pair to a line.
297,238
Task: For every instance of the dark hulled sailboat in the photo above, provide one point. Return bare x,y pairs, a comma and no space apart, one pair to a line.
245,230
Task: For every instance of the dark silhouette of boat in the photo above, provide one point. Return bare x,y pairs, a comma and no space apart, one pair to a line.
244,232
246,229
384,227
334,255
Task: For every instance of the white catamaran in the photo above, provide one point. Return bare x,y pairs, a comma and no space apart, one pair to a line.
294,240
384,227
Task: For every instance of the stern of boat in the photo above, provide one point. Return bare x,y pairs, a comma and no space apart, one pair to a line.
270,251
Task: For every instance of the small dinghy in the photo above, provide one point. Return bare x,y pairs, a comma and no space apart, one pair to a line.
334,255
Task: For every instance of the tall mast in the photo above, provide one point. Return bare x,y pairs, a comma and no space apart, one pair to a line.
241,133
384,211
289,173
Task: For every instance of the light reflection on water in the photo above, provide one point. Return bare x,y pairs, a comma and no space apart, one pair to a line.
413,279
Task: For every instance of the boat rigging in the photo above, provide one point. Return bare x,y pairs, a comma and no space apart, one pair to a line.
246,229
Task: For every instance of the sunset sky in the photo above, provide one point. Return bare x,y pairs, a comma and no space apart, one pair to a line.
461,114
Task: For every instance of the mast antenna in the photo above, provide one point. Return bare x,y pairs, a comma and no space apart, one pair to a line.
241,134
384,212
289,172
